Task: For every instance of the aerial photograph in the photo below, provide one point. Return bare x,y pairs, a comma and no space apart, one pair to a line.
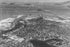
34,23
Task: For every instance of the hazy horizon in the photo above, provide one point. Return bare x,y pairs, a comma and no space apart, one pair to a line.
33,1
5,13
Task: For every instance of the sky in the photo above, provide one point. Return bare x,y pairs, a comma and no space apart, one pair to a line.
32,0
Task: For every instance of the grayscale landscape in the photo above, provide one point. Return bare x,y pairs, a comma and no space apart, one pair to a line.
35,24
